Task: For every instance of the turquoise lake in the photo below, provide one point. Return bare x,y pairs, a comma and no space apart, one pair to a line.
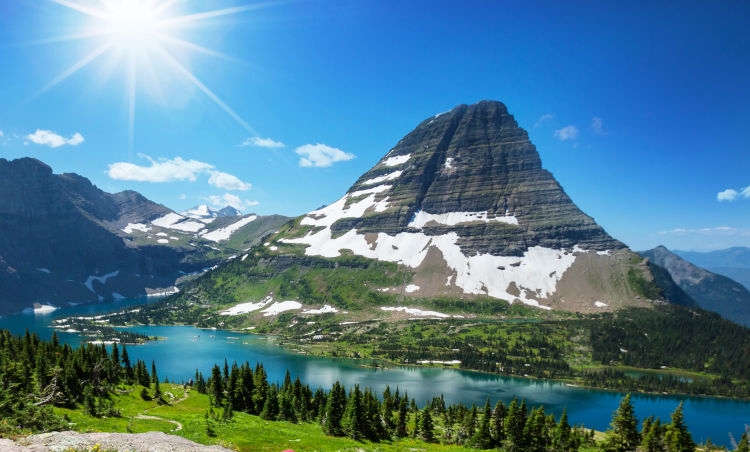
186,349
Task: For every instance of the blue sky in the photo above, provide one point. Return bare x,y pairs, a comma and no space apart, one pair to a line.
340,82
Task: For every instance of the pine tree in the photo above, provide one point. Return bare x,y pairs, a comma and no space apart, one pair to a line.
623,434
334,410
426,429
126,363
286,408
217,386
498,423
403,414
354,420
677,438
271,407
535,434
561,441
652,436
515,423
482,439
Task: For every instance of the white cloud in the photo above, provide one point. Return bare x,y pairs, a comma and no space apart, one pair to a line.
727,195
567,133
183,196
227,181
597,125
228,199
53,140
731,194
1,134
267,143
321,155
543,118
164,170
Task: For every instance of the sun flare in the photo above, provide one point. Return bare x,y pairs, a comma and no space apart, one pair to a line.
143,36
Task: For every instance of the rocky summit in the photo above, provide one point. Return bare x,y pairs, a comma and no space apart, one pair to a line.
464,201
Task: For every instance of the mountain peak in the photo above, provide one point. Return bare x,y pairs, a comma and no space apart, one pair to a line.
203,211
463,199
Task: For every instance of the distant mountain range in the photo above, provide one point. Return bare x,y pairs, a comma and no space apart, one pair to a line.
731,262
64,240
711,291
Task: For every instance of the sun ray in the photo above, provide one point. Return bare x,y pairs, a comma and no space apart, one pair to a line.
197,48
81,9
76,67
64,38
188,18
135,30
189,75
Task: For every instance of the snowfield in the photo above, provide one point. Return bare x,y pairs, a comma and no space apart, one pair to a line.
414,311
135,227
421,218
244,308
279,307
383,178
325,309
226,232
398,160
411,288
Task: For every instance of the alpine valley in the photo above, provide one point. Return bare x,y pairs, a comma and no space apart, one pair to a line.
458,249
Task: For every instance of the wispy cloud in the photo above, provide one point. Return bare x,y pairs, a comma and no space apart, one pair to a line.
597,125
718,230
730,194
227,181
545,117
567,133
53,140
228,199
176,169
321,155
259,142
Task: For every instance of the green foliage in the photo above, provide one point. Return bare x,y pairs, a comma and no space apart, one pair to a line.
623,435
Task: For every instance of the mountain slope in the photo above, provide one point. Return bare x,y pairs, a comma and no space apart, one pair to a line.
460,209
733,262
711,291
64,240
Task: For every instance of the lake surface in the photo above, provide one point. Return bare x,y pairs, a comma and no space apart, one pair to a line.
186,349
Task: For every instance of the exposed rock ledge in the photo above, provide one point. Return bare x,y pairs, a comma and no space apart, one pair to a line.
135,442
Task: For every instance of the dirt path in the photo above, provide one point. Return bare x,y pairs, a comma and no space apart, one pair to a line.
178,425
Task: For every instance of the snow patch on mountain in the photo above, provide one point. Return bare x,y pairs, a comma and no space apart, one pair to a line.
421,218
102,279
226,232
414,311
135,227
397,160
245,308
279,307
383,178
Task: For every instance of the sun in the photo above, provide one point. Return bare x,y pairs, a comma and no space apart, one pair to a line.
143,36
132,24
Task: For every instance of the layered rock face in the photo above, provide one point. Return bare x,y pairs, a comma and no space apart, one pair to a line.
463,199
